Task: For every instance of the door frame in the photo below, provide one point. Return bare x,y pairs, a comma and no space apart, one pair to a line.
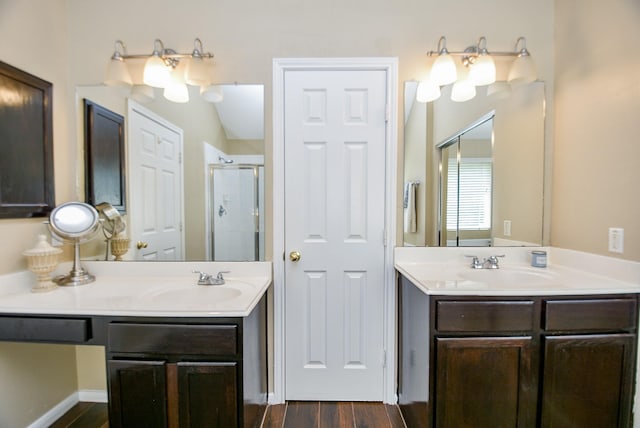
280,67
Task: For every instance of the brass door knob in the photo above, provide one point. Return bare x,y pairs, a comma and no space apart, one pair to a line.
294,256
141,245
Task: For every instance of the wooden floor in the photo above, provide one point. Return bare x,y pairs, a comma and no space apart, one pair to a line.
296,414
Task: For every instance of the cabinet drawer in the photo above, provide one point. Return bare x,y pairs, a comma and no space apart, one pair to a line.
484,316
594,314
187,339
34,329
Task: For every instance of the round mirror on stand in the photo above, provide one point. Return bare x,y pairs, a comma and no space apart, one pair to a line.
74,222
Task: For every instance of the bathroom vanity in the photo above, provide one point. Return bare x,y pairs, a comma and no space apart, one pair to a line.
178,354
518,346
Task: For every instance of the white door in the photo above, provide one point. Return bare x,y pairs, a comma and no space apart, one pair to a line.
334,142
155,186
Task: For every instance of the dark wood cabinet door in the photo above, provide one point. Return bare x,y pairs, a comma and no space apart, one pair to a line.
587,380
137,393
485,382
207,394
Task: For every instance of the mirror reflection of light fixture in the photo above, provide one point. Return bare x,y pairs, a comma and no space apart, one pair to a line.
481,68
176,88
74,222
164,68
464,88
427,91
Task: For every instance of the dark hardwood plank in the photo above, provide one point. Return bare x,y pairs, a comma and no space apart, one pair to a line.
275,416
72,414
302,414
370,415
336,414
395,417
96,416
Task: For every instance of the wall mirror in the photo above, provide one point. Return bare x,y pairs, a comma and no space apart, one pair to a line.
200,210
485,153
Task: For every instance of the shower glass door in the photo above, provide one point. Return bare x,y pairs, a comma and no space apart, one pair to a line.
237,204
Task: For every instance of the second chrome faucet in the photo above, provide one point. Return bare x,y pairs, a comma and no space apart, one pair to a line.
490,262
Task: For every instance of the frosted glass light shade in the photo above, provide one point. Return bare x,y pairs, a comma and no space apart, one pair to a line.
176,90
463,90
197,72
427,91
443,70
156,73
212,93
483,71
118,74
523,70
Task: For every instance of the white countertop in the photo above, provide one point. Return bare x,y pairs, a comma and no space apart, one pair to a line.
157,289
446,271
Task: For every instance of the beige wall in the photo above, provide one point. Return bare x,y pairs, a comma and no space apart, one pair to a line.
597,106
37,377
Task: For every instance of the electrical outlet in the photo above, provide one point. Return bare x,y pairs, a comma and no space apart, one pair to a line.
616,239
507,228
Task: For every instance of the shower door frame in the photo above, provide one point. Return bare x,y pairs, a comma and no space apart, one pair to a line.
256,206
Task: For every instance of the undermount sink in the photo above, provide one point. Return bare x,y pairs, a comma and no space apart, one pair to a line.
509,275
209,295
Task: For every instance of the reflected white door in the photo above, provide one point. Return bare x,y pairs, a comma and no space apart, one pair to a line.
334,139
155,186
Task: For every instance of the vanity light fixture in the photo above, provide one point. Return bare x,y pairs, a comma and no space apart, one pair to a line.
477,68
164,68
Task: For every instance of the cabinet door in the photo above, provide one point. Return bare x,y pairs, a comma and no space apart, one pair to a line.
485,382
207,394
137,391
587,380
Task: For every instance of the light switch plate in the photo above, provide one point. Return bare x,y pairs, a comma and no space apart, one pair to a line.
616,239
507,227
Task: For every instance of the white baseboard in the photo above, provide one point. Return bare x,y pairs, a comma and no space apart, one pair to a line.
271,399
90,395
93,395
56,412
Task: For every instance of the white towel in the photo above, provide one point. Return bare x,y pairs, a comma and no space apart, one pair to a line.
410,207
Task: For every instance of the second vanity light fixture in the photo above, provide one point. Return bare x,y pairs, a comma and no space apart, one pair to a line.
166,69
477,69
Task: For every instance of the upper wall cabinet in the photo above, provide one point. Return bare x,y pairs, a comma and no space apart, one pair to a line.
26,145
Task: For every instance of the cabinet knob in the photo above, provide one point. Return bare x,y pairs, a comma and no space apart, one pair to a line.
140,245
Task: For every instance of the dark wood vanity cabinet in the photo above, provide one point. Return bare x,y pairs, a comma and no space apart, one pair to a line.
531,361
168,371
163,394
588,360
187,373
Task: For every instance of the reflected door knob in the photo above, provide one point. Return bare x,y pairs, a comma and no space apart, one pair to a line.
141,245
294,256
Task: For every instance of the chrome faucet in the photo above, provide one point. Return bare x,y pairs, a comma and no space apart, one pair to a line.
209,279
490,262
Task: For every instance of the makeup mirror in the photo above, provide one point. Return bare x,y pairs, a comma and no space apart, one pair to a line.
74,222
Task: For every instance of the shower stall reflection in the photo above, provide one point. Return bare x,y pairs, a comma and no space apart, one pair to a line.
237,204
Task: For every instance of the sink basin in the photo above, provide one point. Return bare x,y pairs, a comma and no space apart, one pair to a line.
515,277
209,296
